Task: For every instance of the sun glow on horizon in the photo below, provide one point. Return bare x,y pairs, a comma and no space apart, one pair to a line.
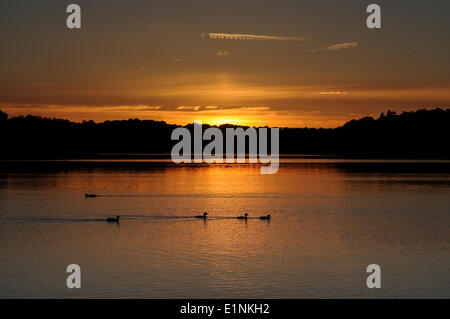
217,121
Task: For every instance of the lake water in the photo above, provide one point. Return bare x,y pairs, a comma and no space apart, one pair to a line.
330,219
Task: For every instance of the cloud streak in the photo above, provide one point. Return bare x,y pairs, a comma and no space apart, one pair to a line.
223,53
238,36
334,47
341,46
189,108
333,93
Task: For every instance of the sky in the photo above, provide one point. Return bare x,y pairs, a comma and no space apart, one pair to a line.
278,63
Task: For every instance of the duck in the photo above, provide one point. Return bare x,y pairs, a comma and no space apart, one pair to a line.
113,220
265,217
86,195
205,214
243,217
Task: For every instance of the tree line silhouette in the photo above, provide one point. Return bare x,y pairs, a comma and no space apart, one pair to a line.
417,134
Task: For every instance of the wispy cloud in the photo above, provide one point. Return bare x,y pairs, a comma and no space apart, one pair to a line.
238,36
341,46
189,108
334,47
333,93
223,53
83,108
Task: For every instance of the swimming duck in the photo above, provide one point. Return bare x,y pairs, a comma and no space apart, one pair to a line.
265,217
243,217
202,216
86,195
113,220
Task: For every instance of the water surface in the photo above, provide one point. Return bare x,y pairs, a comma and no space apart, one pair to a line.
331,218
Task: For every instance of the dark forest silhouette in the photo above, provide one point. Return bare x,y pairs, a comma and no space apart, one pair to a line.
419,134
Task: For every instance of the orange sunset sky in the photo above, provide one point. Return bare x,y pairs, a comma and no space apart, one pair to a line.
278,63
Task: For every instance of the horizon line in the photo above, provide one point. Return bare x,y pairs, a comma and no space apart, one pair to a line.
220,125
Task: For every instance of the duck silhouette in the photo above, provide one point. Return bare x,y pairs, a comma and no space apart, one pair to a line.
205,214
265,217
86,195
113,220
243,217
